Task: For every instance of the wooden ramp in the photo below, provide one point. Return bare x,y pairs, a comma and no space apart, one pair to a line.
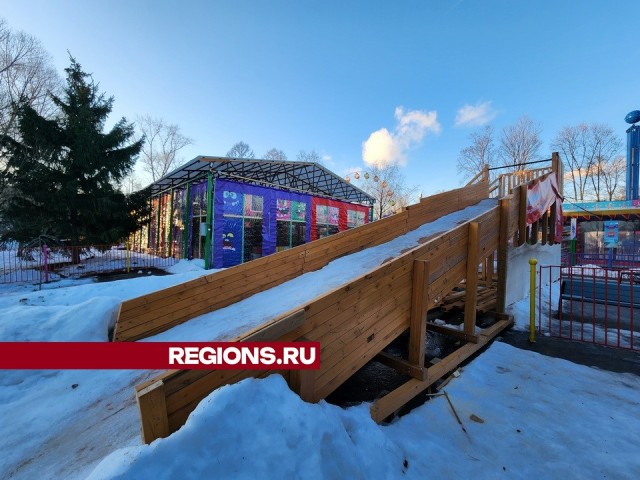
353,322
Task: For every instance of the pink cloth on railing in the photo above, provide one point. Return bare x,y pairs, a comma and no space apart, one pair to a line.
540,197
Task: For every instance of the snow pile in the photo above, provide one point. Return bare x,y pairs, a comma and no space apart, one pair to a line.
260,429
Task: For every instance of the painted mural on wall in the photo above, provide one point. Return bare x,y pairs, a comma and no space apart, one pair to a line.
249,221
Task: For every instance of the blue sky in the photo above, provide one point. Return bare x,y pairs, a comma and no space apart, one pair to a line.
326,75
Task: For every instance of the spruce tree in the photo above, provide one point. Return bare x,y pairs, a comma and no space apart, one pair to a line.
64,172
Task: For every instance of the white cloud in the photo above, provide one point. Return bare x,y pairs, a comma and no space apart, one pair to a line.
386,148
475,115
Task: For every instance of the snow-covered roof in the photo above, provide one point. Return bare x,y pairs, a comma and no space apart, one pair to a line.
305,177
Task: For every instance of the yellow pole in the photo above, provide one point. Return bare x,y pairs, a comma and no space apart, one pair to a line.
127,261
532,300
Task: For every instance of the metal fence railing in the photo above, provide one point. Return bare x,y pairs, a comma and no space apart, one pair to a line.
609,260
43,264
590,304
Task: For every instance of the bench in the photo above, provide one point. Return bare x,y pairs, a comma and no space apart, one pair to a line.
590,290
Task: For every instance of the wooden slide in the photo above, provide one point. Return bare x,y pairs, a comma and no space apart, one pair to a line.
353,322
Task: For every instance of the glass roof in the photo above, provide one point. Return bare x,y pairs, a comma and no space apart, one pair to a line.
297,176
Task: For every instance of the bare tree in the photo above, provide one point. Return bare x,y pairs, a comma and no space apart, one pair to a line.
520,142
473,158
389,188
163,141
586,150
27,76
310,157
613,174
571,143
241,150
275,154
605,145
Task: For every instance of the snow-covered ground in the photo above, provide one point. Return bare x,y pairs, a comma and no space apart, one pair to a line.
66,424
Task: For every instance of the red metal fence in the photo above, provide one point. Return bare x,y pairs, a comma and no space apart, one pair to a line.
590,304
43,264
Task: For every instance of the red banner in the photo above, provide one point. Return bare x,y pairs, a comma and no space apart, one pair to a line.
159,356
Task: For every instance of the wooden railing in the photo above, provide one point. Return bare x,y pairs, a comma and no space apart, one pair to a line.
505,183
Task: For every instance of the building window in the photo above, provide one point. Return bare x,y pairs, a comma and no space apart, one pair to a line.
326,220
242,227
291,228
355,218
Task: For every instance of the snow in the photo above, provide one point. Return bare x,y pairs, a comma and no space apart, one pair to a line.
542,418
77,423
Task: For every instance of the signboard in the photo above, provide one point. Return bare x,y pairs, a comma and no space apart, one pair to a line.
611,234
574,227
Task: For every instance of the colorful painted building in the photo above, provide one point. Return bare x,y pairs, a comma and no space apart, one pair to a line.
603,233
228,211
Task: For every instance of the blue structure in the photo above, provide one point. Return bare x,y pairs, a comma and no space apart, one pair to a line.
633,155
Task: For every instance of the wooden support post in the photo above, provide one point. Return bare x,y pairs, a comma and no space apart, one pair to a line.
490,269
522,216
153,411
401,365
419,307
533,232
303,382
471,298
556,166
551,239
170,232
503,252
545,228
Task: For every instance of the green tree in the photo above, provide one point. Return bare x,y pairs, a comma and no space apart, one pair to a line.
63,173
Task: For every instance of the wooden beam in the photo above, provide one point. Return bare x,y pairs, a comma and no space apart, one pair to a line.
434,327
401,365
503,251
471,299
152,407
419,307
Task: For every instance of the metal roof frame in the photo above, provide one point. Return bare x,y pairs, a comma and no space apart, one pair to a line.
305,177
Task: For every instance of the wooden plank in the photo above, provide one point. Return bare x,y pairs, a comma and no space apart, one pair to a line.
179,417
276,328
545,227
336,348
358,358
419,307
472,281
153,412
